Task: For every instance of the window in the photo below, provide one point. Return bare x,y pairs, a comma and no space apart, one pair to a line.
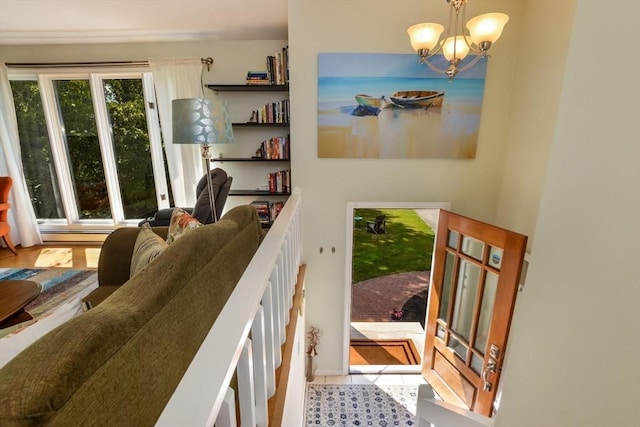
91,148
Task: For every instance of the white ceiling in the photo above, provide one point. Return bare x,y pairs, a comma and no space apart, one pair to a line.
117,21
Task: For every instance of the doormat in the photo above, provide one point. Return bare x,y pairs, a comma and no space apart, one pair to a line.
360,405
383,352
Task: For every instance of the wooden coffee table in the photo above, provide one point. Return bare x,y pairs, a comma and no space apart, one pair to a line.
14,296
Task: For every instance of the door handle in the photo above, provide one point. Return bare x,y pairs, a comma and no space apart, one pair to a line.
489,368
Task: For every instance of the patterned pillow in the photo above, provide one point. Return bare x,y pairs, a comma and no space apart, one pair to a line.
181,223
148,246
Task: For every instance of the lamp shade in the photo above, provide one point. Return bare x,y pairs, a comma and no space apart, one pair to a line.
424,36
201,121
456,44
487,27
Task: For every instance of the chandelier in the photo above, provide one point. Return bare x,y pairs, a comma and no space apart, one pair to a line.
482,31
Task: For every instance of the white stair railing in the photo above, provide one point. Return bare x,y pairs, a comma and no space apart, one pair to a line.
258,305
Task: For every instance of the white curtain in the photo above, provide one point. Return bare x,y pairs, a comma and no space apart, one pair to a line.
176,78
22,218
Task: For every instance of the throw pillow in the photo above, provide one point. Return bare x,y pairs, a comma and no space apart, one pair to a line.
181,223
148,246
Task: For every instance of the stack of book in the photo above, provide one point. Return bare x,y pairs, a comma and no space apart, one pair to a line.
278,67
280,182
274,112
264,210
275,148
277,72
267,211
258,78
276,207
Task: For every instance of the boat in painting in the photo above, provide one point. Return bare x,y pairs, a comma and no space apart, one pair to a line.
368,105
417,99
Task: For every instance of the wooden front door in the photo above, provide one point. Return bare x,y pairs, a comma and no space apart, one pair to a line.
475,282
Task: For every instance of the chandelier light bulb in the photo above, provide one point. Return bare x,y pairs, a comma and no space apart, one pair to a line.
487,27
455,48
425,35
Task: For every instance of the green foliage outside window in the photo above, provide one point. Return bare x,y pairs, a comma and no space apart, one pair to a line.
131,144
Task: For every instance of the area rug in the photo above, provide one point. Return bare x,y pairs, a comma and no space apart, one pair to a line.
360,405
383,352
58,285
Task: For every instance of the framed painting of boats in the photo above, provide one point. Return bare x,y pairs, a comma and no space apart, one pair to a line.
389,106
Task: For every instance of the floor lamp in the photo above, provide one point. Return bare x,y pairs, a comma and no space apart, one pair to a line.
204,122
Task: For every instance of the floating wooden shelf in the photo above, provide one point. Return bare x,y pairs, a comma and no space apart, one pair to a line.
249,88
247,159
256,193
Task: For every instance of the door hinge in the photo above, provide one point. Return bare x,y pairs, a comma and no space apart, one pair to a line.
152,105
523,275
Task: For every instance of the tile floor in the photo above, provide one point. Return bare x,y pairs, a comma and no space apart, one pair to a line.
387,379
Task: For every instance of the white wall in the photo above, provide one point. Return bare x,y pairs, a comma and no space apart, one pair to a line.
534,101
232,59
472,186
575,342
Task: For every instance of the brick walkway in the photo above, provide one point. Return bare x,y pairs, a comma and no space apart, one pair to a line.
374,299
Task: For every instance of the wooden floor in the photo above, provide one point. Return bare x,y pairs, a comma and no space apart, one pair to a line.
76,256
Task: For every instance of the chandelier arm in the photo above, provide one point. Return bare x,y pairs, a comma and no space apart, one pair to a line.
472,62
455,30
434,68
472,46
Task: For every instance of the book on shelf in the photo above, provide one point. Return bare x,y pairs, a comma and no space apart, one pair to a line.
267,211
273,112
257,74
278,67
276,73
276,207
276,148
263,208
280,182
259,82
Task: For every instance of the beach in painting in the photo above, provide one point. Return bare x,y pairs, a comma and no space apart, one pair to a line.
446,131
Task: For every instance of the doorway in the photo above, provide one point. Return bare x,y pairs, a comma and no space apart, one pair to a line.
389,247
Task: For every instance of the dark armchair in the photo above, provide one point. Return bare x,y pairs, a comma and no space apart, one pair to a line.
201,211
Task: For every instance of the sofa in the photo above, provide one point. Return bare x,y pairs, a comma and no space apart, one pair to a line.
118,363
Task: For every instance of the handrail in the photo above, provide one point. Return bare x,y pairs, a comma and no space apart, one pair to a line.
270,276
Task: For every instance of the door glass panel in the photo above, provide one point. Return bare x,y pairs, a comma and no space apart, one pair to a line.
38,166
486,310
131,145
495,257
440,331
476,363
466,289
458,347
472,247
453,239
443,312
83,148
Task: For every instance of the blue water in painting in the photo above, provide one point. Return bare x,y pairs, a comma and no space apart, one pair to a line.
348,130
336,92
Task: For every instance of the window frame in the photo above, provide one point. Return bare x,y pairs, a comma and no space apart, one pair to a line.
96,77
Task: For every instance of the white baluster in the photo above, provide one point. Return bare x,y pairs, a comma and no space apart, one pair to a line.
260,368
267,304
246,389
227,415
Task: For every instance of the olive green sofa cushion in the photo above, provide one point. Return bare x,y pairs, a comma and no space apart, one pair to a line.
119,363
